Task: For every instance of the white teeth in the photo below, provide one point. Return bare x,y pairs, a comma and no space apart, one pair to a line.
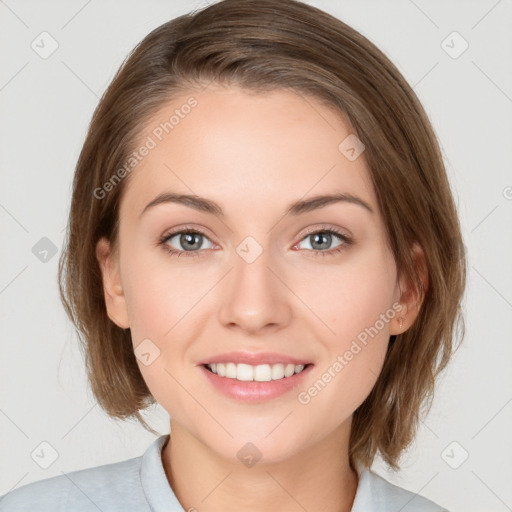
289,370
243,372
262,373
258,373
231,371
277,371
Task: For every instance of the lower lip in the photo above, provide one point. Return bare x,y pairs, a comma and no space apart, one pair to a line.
252,391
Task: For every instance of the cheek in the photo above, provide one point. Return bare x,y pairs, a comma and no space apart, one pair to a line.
355,307
352,297
158,307
159,295
164,306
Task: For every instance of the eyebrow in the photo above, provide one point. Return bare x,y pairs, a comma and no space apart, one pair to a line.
296,208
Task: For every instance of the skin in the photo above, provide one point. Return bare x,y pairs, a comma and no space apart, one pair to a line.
254,154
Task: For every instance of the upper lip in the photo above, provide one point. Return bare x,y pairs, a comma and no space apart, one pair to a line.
253,358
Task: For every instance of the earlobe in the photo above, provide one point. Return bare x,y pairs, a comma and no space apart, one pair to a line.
112,286
400,322
411,297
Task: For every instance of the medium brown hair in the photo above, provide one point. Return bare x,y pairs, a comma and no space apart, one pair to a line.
264,45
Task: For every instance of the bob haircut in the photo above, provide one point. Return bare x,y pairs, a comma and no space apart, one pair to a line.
265,45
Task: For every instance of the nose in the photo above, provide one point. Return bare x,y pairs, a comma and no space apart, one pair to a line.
254,296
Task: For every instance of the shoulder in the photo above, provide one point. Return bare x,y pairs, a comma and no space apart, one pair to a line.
109,487
375,493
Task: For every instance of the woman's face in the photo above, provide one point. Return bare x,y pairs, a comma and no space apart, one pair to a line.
260,280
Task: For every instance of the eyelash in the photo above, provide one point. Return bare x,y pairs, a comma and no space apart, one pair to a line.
347,241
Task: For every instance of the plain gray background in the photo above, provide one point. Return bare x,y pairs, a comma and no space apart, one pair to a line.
46,105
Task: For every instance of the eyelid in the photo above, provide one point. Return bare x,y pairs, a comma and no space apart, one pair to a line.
325,227
186,228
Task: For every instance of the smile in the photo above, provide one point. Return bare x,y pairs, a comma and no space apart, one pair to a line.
258,373
255,383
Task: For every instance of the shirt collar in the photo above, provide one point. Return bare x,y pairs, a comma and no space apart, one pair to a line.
161,498
158,492
362,499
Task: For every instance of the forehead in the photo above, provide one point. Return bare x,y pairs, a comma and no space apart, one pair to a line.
250,150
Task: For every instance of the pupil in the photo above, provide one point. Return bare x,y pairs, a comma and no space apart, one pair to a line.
325,236
188,238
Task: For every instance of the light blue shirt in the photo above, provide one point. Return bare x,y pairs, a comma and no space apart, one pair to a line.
140,485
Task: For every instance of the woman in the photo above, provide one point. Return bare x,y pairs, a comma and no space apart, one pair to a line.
262,239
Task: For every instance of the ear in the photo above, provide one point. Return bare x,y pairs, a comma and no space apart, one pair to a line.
410,296
112,285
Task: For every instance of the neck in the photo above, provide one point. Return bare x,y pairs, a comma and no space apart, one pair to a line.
317,478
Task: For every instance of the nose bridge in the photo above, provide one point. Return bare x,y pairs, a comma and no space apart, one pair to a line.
252,278
253,297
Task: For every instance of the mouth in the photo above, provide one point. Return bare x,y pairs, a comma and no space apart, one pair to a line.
255,377
255,373
255,384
